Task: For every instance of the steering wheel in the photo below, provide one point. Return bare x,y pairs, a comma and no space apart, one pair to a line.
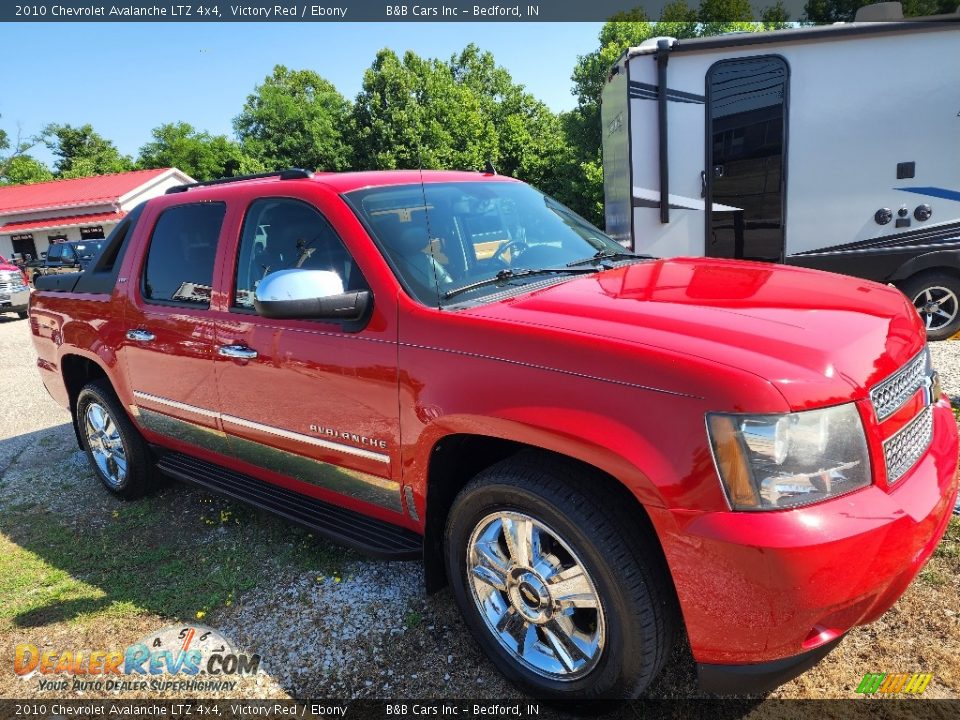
520,246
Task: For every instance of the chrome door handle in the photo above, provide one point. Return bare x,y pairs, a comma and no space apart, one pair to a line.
238,352
141,336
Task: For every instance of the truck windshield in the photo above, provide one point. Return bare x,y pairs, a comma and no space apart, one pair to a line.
461,241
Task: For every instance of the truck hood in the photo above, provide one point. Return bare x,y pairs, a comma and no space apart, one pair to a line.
818,337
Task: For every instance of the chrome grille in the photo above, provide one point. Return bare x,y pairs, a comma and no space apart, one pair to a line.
11,281
890,395
901,451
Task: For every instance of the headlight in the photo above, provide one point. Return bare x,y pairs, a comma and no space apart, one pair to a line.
767,462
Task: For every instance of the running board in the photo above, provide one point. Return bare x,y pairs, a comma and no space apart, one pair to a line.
347,527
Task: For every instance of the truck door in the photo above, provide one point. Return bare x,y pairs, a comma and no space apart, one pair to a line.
169,345
746,100
310,401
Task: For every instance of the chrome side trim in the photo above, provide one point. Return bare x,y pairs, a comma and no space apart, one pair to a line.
174,404
352,483
279,432
307,439
411,505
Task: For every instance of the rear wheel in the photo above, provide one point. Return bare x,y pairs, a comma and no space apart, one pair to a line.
557,585
936,295
116,450
22,314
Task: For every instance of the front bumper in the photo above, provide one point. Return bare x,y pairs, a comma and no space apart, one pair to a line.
775,586
16,301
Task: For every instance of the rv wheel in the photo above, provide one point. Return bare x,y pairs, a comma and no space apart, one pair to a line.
936,296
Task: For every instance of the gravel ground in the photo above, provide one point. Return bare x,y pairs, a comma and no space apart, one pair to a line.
365,629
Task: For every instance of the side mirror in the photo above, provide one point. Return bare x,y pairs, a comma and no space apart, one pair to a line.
309,294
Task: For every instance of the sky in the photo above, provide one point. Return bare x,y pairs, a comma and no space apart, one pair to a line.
126,79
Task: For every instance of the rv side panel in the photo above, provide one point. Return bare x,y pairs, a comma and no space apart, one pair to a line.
683,234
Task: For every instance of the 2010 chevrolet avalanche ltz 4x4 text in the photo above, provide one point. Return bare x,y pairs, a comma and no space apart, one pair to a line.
595,449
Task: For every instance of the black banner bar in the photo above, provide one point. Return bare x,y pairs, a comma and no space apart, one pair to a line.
718,709
347,11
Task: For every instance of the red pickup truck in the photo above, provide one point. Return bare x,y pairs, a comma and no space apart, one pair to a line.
595,449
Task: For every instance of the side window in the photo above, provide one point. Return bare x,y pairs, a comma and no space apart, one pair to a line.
54,252
280,234
183,248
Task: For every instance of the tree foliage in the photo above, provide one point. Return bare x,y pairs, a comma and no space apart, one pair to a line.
831,11
81,152
412,113
23,169
16,166
198,153
295,118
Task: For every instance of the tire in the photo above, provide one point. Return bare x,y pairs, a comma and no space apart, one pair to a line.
22,315
623,644
119,441
936,295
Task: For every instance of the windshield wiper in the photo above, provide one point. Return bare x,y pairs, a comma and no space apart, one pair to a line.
505,275
601,255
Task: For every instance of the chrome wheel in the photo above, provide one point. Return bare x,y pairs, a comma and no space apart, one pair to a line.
105,443
937,305
535,595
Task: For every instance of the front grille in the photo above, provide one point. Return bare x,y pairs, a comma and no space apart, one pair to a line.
901,451
890,395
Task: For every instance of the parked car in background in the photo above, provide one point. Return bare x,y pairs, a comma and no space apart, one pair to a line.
14,291
601,452
65,257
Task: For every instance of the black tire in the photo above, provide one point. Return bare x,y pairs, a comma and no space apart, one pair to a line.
22,315
624,563
138,479
942,286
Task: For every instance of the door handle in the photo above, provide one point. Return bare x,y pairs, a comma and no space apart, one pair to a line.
141,336
237,352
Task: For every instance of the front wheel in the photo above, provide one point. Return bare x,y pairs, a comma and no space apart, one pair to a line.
22,314
557,585
936,296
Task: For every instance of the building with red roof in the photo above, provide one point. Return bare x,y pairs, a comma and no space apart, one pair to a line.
34,216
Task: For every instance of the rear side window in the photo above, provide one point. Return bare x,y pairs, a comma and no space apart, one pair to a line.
183,247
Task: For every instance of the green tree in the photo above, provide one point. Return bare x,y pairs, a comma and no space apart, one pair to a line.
295,118
196,152
23,169
15,165
530,141
831,11
413,113
80,151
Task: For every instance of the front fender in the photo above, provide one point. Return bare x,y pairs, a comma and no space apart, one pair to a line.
579,435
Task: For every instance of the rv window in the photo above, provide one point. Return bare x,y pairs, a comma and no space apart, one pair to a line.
746,157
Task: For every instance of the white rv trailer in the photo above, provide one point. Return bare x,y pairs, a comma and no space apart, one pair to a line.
833,147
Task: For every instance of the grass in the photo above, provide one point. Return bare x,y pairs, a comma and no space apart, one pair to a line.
179,554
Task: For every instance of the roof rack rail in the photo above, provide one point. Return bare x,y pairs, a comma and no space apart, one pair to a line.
288,174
